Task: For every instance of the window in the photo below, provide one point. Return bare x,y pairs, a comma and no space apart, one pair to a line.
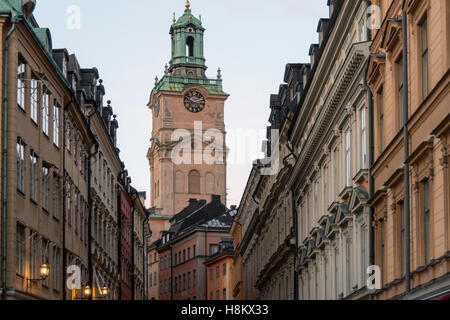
335,173
194,182
33,175
363,29
55,196
217,272
325,186
363,135
34,99
151,281
56,271
154,278
213,248
76,213
56,109
193,251
69,136
189,280
348,265
184,255
34,239
45,187
194,278
402,239
20,249
189,253
45,110
224,269
363,254
424,56
347,158
224,294
69,204
211,274
20,165
217,295
380,120
211,296
190,46
426,222
21,84
401,93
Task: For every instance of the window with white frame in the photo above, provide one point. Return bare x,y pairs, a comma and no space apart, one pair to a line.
347,163
20,249
21,84
55,192
56,110
34,247
33,175
34,99
363,135
45,110
45,187
20,156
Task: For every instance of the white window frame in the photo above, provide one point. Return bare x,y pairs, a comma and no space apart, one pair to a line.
21,74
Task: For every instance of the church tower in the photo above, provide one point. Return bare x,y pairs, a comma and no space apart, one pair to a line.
186,105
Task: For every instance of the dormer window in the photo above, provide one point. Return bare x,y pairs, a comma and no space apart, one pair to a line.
64,66
74,83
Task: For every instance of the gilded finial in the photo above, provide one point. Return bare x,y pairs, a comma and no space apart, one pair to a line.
174,19
187,4
219,74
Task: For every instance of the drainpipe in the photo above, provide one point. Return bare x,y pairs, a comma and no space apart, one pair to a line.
371,152
5,154
406,149
91,155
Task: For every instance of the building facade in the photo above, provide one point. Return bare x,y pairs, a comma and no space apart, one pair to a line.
422,223
186,105
194,235
219,269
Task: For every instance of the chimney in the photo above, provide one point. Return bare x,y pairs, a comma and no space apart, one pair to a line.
215,198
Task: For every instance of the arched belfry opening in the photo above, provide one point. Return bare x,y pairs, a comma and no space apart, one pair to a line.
190,46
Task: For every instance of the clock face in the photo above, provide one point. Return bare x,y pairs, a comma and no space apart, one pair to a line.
157,107
194,101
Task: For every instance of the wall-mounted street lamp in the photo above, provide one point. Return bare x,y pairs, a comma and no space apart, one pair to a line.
44,271
87,291
105,291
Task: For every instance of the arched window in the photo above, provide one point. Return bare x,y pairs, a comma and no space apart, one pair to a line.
190,46
194,182
179,182
209,183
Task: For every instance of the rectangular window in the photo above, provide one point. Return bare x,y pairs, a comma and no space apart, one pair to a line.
424,55
45,187
380,120
56,271
189,280
217,295
335,173
363,135
20,149
347,158
55,197
217,272
401,93
33,175
34,240
34,99
224,294
224,269
69,204
402,239
426,222
56,109
20,249
194,278
189,254
316,200
193,251
211,274
325,187
21,84
363,254
45,110
348,265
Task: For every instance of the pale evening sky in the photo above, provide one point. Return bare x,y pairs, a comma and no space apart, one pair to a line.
128,41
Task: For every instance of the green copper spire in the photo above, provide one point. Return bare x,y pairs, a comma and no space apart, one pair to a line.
187,42
187,64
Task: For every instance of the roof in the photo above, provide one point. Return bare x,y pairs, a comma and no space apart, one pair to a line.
187,19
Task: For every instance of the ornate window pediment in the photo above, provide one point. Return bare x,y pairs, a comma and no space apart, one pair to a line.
320,237
330,227
343,215
359,198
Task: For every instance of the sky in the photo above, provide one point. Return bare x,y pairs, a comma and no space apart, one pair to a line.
129,43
